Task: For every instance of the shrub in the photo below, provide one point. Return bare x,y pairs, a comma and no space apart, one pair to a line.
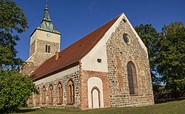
14,90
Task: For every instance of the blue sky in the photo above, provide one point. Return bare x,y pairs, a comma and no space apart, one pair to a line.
76,18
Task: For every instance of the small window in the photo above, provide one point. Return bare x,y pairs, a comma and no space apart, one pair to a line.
47,49
126,38
124,20
99,60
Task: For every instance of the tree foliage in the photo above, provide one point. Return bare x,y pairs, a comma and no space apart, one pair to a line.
14,90
12,22
150,37
167,56
171,57
14,87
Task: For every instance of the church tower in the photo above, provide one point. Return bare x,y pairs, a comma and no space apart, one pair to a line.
44,43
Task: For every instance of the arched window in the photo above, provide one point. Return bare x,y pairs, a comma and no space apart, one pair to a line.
30,100
59,95
38,97
132,78
50,95
43,95
95,96
47,49
126,38
70,92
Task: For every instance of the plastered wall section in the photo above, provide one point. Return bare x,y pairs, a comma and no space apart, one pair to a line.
44,35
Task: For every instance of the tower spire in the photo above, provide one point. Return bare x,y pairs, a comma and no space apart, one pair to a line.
46,23
46,13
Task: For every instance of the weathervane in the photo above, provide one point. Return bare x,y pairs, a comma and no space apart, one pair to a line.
46,3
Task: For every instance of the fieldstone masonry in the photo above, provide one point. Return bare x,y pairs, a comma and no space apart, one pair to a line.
131,51
63,80
39,55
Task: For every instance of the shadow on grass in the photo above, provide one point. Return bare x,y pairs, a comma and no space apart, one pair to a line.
158,101
25,110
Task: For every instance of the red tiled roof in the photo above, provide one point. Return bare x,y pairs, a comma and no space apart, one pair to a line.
71,55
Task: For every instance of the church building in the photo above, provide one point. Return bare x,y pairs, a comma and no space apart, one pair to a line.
109,67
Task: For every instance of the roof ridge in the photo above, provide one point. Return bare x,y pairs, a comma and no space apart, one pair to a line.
90,33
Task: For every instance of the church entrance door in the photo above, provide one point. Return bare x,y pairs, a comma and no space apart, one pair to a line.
95,98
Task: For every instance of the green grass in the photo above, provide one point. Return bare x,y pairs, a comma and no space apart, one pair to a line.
175,107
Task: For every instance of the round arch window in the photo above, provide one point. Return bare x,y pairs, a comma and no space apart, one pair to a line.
126,38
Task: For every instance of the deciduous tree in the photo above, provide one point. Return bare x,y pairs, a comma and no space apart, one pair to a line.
12,22
151,37
14,87
171,57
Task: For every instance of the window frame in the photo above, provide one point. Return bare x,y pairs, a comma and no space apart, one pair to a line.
132,79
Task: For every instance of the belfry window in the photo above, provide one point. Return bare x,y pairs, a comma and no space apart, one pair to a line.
132,78
47,49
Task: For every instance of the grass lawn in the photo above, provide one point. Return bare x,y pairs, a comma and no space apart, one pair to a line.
175,107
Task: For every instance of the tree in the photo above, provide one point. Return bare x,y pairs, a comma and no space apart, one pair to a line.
14,87
14,90
12,22
151,37
171,58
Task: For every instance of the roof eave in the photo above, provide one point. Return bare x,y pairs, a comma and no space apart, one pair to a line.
54,72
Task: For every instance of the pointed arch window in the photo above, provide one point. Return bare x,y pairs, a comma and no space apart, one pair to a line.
50,95
132,78
59,95
30,100
43,95
38,97
47,48
70,92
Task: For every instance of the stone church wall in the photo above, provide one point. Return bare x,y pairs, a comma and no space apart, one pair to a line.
119,50
38,55
63,78
41,46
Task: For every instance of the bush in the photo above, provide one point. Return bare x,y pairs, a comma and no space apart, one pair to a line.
14,90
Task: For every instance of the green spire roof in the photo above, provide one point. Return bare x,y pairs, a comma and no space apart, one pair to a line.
46,23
